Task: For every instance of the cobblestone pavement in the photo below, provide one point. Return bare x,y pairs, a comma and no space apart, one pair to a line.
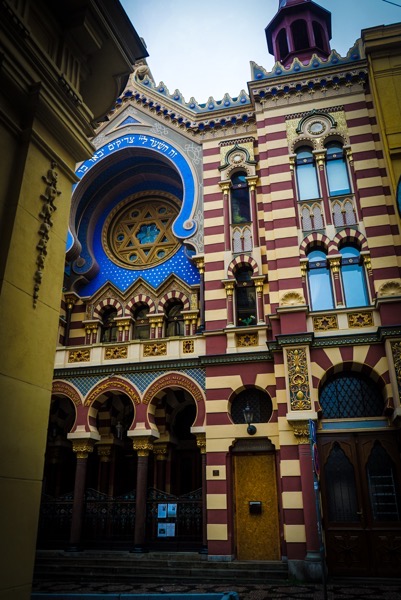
350,590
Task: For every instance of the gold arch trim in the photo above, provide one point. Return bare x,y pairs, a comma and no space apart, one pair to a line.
112,385
64,388
172,380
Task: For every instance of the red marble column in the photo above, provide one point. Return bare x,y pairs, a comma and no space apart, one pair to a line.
225,186
142,446
201,443
229,285
309,502
335,264
82,448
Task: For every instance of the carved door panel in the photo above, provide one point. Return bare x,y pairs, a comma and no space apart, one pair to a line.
361,504
256,525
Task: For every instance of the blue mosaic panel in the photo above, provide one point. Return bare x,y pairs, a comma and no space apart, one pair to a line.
85,384
140,380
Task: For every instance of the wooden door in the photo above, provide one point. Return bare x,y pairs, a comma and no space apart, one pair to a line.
360,477
256,526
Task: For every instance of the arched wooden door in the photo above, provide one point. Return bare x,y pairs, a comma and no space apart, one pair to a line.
360,483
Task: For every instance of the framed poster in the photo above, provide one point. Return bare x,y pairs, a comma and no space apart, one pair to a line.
161,530
170,529
161,511
172,510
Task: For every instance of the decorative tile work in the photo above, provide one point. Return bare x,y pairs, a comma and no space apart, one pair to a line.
298,379
188,346
156,349
84,384
360,319
325,323
75,356
115,352
244,340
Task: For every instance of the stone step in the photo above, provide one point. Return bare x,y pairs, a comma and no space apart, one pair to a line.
148,568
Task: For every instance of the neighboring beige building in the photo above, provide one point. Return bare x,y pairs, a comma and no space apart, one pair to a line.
382,45
62,66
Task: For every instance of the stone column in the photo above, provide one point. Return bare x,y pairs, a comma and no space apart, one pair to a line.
335,264
229,284
104,453
225,186
201,443
259,281
142,446
301,432
200,263
320,157
160,452
369,273
82,448
254,208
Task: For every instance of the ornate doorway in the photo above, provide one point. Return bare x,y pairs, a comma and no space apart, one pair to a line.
361,478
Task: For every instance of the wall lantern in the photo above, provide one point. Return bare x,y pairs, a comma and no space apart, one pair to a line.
248,416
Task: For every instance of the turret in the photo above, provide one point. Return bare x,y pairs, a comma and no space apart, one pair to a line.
300,29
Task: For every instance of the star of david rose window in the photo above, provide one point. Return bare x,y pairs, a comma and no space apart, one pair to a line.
137,234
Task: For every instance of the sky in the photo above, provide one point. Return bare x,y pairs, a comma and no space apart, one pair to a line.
204,49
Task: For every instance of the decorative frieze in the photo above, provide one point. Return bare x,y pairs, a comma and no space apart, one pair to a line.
360,319
48,208
244,340
298,379
156,349
188,347
325,323
114,352
75,356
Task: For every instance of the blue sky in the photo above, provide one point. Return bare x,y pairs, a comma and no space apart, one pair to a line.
204,49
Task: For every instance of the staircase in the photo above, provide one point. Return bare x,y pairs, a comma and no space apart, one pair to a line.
124,567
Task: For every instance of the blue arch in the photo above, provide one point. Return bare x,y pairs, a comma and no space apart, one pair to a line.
183,226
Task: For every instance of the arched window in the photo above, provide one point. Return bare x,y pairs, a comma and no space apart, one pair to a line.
308,188
300,35
242,239
282,44
320,288
141,323
175,321
351,396
353,277
341,492
318,34
258,401
240,206
109,326
245,295
336,169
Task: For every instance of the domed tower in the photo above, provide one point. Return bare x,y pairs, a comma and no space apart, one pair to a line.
300,29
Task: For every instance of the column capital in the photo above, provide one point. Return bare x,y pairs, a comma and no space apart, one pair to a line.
70,300
229,285
160,451
82,447
301,431
225,186
142,445
104,452
201,442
